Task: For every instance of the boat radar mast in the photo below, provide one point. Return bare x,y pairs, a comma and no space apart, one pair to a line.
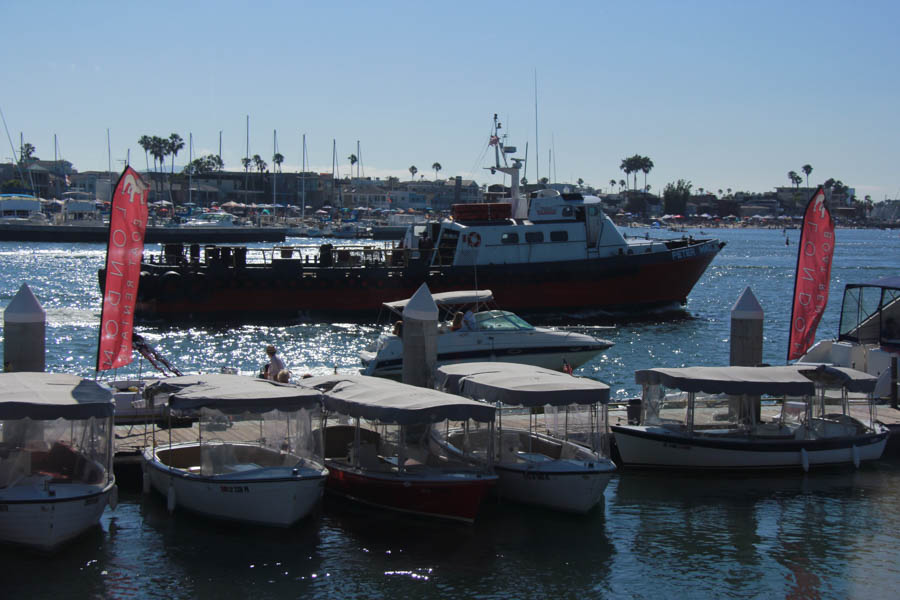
519,205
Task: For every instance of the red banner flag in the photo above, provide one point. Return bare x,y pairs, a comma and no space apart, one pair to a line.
127,225
813,274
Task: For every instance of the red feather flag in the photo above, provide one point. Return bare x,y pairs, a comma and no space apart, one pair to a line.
813,274
127,225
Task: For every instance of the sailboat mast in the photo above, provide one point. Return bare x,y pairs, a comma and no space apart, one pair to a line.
537,148
274,174
247,166
190,167
303,181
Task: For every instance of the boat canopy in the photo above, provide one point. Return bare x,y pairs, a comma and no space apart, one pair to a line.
388,401
520,385
776,381
53,396
832,376
444,299
232,393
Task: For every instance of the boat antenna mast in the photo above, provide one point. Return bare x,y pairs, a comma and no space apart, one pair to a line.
519,209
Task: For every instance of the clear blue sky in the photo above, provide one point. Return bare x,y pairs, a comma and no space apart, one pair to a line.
725,94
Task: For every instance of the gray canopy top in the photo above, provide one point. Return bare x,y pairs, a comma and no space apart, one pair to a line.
519,385
232,393
388,401
791,380
445,299
53,396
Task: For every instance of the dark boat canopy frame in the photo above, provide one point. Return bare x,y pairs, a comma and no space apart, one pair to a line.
870,312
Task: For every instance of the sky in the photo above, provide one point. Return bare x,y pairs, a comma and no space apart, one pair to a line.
727,95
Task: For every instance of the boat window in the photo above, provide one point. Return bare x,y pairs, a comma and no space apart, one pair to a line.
509,238
534,237
559,236
567,211
500,320
859,312
593,211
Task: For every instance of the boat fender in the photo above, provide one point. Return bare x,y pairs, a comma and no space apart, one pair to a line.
170,499
474,239
855,452
804,460
114,497
145,484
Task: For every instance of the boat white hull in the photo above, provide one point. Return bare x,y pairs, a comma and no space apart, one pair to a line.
577,489
552,360
44,523
654,447
272,496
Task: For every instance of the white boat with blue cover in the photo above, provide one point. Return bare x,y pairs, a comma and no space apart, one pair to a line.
714,420
256,459
55,457
535,464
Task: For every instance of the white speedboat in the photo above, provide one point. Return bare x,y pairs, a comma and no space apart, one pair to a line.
255,459
498,335
56,474
869,332
715,419
377,450
535,457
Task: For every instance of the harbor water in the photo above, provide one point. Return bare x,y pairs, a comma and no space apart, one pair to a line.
830,533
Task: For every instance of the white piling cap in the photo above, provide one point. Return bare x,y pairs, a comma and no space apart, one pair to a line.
24,308
421,306
747,306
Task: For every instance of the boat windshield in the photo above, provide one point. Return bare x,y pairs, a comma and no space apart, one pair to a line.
500,320
870,314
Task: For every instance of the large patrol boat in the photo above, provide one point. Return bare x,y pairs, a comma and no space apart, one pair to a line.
547,253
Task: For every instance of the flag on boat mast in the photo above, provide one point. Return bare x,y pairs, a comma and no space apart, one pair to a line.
127,225
814,256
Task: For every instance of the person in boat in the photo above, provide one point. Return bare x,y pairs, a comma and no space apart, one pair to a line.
457,323
398,329
469,321
284,376
276,365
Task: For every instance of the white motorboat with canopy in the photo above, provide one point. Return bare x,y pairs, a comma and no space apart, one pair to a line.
540,463
868,334
376,446
493,334
56,473
256,457
716,419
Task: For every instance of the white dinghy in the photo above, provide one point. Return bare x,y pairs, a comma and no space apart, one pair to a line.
537,461
715,419
255,459
55,457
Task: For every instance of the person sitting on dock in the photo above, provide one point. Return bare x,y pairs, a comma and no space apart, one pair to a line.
276,365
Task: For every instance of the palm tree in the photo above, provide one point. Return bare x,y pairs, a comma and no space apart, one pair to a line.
627,166
145,142
807,169
353,160
159,149
580,182
720,192
26,152
246,162
646,165
612,184
412,172
622,184
792,175
729,191
437,167
277,159
175,145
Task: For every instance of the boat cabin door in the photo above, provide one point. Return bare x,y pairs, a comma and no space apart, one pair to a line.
593,224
